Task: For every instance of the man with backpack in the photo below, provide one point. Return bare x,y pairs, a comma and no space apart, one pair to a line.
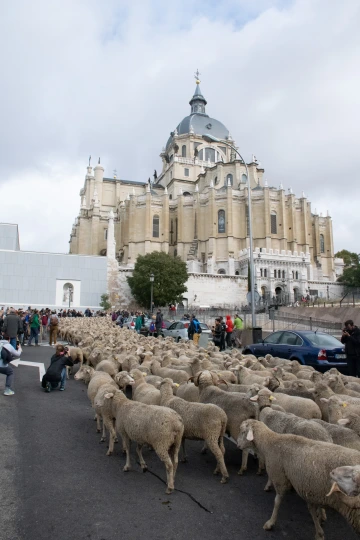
53,327
8,352
12,326
194,329
34,328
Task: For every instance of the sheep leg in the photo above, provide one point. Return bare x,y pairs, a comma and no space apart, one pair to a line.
315,512
216,450
184,458
110,426
269,485
98,423
174,453
221,444
165,458
244,460
281,489
141,459
261,466
103,436
126,444
204,448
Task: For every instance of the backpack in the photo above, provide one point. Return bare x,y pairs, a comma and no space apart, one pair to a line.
197,327
5,355
54,321
152,327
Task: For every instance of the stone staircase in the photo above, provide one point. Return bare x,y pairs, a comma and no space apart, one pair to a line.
193,251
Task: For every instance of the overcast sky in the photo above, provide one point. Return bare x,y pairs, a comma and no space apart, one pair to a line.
112,78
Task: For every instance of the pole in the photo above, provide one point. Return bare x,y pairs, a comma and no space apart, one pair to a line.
252,276
151,298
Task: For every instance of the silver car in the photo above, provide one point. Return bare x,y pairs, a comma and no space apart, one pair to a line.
179,330
130,322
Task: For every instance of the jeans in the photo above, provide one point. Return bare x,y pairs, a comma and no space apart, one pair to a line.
34,333
228,339
13,342
9,372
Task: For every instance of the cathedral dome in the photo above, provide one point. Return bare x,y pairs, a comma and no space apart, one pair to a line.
198,122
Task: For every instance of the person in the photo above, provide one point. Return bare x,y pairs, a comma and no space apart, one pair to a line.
216,330
158,322
351,339
12,326
229,331
8,352
53,323
56,372
34,328
138,322
44,325
223,334
194,329
237,330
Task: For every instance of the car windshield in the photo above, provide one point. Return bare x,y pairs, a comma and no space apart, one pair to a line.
323,340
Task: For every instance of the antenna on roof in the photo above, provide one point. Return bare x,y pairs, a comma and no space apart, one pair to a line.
99,161
197,75
89,161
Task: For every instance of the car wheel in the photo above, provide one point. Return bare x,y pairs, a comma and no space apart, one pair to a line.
247,351
178,339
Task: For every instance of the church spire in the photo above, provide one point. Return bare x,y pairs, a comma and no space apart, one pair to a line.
198,101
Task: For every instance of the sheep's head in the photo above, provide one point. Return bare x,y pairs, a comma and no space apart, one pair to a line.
84,374
346,479
168,384
124,379
246,435
264,398
205,378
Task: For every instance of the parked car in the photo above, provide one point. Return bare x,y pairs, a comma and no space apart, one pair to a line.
166,323
179,330
130,322
316,349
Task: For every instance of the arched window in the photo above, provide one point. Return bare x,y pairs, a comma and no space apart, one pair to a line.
322,244
237,273
296,275
243,179
170,197
221,221
261,272
183,150
68,293
221,271
293,274
156,227
207,154
273,223
229,178
265,272
283,274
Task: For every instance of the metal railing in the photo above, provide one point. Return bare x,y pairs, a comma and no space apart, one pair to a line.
293,321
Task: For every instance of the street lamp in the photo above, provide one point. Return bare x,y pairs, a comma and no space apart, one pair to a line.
210,138
151,293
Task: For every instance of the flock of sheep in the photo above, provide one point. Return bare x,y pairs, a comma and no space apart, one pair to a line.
304,427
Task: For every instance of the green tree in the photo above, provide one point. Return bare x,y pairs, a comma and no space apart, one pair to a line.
170,276
349,258
104,302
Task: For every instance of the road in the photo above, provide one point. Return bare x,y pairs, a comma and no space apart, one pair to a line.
56,481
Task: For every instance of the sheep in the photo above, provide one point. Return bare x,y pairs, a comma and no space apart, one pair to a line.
159,427
346,480
305,465
340,435
142,391
246,376
108,366
206,422
351,421
338,407
153,379
176,375
188,391
336,384
298,389
236,406
283,422
305,408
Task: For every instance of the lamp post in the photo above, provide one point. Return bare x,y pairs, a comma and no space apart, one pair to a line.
151,292
210,138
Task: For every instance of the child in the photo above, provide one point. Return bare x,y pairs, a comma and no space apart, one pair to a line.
56,372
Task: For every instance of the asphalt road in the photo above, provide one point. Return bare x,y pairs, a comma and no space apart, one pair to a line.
56,481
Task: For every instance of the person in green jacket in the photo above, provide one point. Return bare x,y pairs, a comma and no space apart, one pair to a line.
138,323
34,328
238,328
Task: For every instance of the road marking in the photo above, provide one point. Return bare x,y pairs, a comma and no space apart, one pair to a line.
39,365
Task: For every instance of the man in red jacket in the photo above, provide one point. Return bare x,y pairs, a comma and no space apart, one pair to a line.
229,331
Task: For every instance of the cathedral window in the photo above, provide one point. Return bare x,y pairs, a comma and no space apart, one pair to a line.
207,154
273,223
229,178
265,272
261,272
105,234
243,179
186,172
221,221
221,272
156,227
183,150
296,275
322,244
283,274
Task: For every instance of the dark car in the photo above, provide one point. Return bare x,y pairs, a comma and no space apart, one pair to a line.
316,349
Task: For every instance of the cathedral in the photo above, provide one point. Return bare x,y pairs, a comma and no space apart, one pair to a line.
196,208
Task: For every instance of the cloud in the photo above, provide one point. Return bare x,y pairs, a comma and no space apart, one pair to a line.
112,79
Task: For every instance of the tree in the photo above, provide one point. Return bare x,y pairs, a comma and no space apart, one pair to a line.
170,276
104,302
351,274
349,258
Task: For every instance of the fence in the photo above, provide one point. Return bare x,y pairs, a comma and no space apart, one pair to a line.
304,323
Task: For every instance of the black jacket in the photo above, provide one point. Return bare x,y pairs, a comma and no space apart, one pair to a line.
12,325
53,373
352,342
158,321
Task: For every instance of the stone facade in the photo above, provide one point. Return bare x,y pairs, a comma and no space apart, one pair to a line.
197,209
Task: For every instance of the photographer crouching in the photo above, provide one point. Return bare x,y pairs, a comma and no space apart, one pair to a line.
56,372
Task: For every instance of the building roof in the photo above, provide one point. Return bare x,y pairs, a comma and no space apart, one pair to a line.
124,181
198,121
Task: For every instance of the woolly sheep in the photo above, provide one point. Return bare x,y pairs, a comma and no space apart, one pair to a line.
206,422
305,465
159,427
305,408
351,421
143,391
341,435
177,376
347,480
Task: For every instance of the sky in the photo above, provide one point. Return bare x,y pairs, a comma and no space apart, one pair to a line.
111,79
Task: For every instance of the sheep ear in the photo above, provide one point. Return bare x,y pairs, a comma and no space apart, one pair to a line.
324,400
157,383
250,435
109,395
254,398
343,421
